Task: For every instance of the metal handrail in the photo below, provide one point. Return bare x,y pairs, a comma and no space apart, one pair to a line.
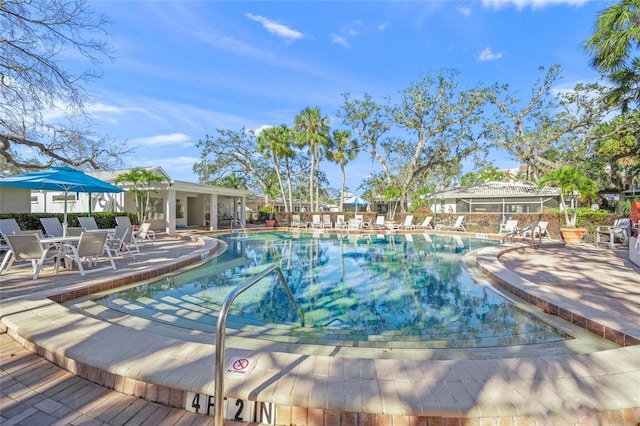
220,333
533,236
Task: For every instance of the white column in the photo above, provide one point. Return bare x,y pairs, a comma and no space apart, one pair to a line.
243,211
170,212
213,212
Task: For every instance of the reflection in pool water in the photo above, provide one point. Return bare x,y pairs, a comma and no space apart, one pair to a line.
364,290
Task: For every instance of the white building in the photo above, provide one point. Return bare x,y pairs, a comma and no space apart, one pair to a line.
174,204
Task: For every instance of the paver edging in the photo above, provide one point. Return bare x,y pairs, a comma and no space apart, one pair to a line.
490,265
431,374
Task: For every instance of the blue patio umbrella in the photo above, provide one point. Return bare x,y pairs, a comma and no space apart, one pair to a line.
356,201
63,178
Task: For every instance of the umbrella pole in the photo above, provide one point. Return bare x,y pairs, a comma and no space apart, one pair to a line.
64,223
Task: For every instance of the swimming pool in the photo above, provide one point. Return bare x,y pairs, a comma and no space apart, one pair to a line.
408,291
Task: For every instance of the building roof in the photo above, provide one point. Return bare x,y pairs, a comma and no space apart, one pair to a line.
499,190
178,185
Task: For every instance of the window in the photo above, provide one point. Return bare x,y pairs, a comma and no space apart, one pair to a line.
155,209
59,198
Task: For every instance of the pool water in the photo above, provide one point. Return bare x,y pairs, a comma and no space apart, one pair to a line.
356,290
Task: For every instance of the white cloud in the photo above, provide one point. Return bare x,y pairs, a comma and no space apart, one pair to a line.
383,26
488,55
163,140
276,29
464,10
534,4
340,40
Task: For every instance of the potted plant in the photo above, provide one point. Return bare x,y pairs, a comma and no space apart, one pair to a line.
574,186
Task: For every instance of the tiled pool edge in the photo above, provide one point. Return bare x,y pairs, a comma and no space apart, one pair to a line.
295,414
490,265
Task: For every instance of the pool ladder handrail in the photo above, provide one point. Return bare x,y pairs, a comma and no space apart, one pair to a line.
220,333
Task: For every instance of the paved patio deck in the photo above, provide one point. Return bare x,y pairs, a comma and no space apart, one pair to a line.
590,286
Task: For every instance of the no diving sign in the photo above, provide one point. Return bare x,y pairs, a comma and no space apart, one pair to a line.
239,366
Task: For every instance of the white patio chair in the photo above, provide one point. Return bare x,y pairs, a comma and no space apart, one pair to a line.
296,222
123,221
363,223
120,242
91,246
144,234
457,226
340,223
426,223
354,224
27,247
52,226
88,223
316,222
326,221
380,223
8,227
537,231
618,233
408,223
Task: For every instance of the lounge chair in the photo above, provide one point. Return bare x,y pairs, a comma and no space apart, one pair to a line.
143,234
52,227
408,223
120,242
340,223
380,224
537,231
296,222
326,221
316,222
91,246
27,247
354,224
88,223
363,223
426,223
123,221
509,229
457,226
8,227
618,233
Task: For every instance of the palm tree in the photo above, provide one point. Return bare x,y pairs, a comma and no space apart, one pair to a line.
345,150
616,36
312,130
570,181
141,180
276,141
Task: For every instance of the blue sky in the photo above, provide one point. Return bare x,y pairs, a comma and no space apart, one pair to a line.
184,69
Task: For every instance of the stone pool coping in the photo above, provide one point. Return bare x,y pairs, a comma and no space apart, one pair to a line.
314,389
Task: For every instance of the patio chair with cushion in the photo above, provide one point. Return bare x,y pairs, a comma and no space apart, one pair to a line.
91,246
316,222
326,221
27,247
618,233
52,226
